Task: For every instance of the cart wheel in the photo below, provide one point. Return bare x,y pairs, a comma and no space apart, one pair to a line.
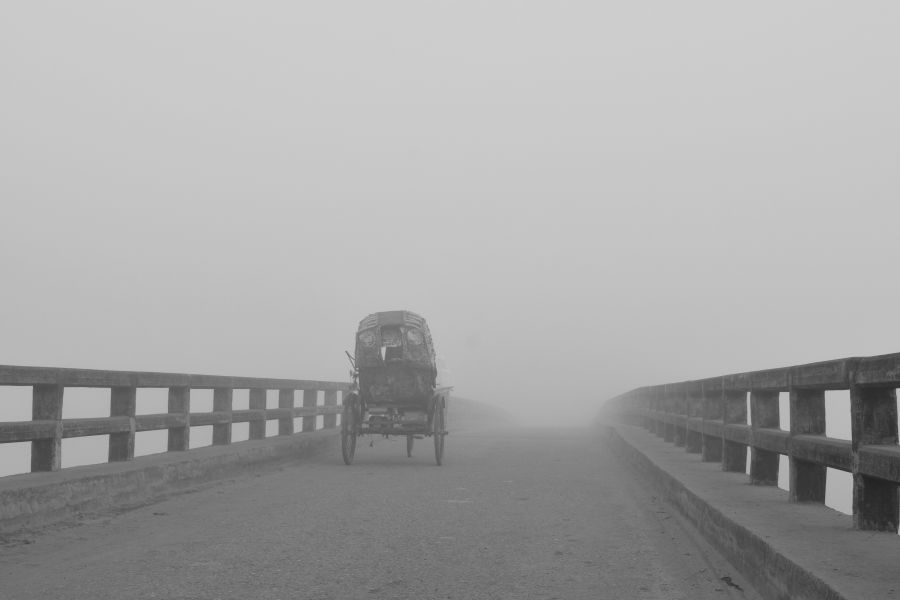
409,445
438,433
348,434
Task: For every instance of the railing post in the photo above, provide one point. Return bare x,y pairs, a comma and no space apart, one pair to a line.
46,405
693,441
668,406
310,398
712,411
330,420
734,455
807,417
873,419
286,424
222,402
764,414
180,405
659,427
680,405
258,424
122,403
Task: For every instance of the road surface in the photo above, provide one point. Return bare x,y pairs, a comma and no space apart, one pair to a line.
524,514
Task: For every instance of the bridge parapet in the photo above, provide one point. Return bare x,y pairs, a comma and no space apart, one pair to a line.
47,428
710,417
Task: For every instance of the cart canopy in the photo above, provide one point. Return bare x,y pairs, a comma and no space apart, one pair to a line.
394,337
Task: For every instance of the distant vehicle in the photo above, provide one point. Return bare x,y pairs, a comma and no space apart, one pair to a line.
394,389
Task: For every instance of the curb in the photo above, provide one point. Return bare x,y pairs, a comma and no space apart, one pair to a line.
35,500
772,574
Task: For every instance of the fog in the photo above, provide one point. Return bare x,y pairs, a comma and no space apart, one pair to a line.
580,198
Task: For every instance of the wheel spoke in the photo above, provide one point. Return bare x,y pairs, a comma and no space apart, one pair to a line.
348,434
438,434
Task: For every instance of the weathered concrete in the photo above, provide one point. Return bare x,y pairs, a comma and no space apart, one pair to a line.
46,405
123,403
807,478
764,414
180,403
790,551
874,421
36,499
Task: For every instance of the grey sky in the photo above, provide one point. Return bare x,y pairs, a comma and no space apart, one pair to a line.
580,197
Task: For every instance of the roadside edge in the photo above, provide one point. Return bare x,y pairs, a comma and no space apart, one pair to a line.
35,500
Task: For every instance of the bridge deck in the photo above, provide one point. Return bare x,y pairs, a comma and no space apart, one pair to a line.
513,514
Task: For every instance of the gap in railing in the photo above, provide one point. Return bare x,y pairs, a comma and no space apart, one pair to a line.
271,402
783,469
87,450
15,458
749,411
16,402
15,405
201,436
837,414
82,403
784,472
298,424
240,400
839,490
201,401
150,442
784,411
151,401
240,432
271,427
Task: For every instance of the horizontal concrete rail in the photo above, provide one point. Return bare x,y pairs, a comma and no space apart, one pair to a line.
709,417
47,428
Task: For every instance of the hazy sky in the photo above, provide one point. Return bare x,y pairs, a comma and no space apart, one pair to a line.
580,197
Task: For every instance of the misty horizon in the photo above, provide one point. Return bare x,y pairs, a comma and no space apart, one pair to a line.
580,199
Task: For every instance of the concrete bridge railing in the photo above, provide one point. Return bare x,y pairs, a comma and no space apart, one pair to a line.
709,417
47,428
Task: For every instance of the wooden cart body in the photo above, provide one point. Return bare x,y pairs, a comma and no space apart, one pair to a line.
394,390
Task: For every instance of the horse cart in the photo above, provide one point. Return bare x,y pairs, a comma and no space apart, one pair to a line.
394,391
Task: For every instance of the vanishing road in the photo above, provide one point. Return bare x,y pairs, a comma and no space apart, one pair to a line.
516,513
